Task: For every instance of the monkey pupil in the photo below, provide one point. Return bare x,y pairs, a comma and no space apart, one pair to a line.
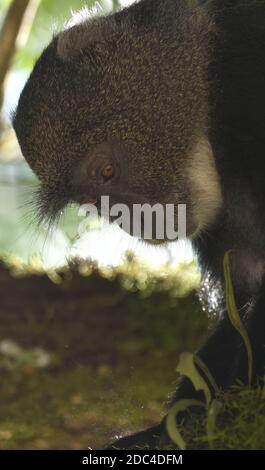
108,172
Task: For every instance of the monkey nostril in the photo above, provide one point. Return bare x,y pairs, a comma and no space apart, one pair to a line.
91,200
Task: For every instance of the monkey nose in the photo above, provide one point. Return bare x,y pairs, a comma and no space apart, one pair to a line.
91,200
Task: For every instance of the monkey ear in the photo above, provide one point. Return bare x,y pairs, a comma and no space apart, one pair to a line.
73,42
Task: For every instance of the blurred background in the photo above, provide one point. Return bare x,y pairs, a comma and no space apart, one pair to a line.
87,351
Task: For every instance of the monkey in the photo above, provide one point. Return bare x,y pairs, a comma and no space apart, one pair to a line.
163,102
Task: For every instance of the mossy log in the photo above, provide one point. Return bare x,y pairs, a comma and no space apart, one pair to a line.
84,314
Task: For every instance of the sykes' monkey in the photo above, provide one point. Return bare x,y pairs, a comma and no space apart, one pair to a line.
164,102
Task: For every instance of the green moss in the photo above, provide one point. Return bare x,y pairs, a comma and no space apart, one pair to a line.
240,423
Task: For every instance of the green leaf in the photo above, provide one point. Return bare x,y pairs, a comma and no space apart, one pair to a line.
206,371
187,367
212,416
234,314
171,424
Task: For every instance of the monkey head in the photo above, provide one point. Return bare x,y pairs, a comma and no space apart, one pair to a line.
118,106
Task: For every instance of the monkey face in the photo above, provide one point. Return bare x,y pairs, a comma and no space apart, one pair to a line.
117,109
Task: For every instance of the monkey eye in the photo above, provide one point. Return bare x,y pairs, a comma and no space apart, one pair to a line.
108,172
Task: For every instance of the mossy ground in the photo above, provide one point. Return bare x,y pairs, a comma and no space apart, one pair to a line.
240,422
86,355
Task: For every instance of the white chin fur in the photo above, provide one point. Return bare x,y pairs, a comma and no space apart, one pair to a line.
204,184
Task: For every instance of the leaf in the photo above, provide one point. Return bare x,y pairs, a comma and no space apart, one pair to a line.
212,415
187,367
206,371
234,314
171,424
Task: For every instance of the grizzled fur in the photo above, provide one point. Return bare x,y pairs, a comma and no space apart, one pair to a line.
90,86
176,90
